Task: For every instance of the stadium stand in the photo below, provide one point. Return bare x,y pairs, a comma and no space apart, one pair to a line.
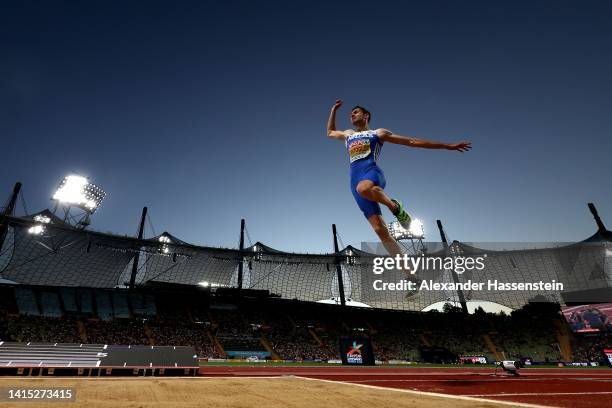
70,285
225,325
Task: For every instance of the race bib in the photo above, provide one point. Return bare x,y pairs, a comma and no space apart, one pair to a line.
359,149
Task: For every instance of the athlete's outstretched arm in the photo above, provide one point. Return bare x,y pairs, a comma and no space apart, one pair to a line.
331,122
388,136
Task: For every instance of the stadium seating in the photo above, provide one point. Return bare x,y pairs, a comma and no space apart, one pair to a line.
218,325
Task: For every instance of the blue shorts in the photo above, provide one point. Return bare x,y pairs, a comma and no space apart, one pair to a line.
373,173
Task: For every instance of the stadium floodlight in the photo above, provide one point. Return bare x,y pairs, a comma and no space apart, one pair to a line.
39,228
414,231
79,192
396,230
42,219
416,228
36,229
207,284
164,241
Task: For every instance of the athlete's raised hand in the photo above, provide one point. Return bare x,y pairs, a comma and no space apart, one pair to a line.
337,105
460,147
331,122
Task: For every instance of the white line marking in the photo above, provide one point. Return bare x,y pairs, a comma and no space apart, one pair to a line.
268,370
540,394
433,394
505,379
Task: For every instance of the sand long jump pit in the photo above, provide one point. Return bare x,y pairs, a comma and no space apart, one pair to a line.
244,392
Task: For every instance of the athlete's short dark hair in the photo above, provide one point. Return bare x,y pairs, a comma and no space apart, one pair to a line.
364,110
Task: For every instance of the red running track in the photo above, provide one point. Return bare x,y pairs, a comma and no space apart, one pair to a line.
563,387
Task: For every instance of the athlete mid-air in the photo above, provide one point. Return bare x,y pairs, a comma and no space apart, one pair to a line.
367,179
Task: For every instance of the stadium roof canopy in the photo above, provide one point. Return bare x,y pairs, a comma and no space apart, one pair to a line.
62,255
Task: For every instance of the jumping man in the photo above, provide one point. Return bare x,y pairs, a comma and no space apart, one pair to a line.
367,179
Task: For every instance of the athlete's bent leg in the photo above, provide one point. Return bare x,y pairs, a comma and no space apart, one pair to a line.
380,228
370,191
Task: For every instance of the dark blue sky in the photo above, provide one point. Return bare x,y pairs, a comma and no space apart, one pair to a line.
211,111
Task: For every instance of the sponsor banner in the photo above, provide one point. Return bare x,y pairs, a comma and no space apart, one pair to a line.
473,359
356,350
398,362
608,353
245,354
579,364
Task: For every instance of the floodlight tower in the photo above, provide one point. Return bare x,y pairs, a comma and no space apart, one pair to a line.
411,239
77,193
8,211
453,251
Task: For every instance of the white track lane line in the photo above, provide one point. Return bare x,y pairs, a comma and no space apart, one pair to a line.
518,394
504,379
428,374
434,394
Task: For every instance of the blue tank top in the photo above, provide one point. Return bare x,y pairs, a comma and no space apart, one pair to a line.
363,148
